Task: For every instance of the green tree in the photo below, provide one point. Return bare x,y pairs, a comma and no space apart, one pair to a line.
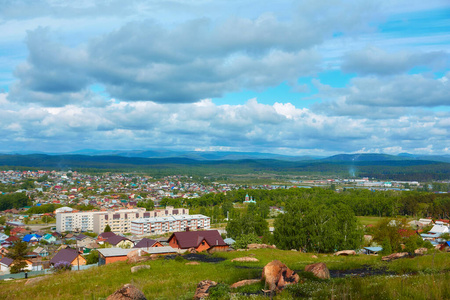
148,205
2,220
242,241
107,228
386,247
17,252
92,257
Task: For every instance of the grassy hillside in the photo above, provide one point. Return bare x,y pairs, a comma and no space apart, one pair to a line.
424,277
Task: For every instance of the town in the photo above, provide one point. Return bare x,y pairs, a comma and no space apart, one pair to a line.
77,221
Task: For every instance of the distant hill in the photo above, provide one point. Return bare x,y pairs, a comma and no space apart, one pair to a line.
379,166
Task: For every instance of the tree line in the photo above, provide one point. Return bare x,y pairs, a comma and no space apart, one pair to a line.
362,202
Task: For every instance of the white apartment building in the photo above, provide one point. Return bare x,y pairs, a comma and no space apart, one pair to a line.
160,225
118,220
84,220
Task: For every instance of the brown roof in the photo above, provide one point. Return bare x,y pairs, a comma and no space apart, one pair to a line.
114,240
191,239
106,235
145,243
67,255
6,261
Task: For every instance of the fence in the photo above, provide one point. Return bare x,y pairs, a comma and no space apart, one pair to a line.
43,272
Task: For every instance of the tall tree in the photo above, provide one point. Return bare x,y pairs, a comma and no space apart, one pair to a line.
17,252
107,228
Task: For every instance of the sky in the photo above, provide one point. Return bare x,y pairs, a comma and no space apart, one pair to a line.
301,77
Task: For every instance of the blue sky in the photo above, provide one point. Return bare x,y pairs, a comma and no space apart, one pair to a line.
289,77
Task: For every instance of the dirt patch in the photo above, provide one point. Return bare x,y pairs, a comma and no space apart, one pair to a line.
360,272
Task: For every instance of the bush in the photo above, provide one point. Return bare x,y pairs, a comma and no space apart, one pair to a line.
220,291
62,266
92,257
245,239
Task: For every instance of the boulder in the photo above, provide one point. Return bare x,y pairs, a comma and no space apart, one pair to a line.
127,292
136,269
314,256
277,275
420,251
245,259
319,270
194,263
394,256
202,289
345,252
137,255
244,282
260,246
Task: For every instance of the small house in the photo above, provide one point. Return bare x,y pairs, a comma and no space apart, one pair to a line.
70,256
208,240
120,241
147,243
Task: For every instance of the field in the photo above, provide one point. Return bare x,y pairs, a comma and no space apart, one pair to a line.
424,277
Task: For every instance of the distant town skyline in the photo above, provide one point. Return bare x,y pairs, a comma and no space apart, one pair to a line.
286,77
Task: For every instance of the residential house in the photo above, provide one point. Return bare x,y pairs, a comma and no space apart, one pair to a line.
120,241
209,240
70,256
84,240
110,255
3,237
42,252
104,236
6,263
49,238
32,238
147,243
3,252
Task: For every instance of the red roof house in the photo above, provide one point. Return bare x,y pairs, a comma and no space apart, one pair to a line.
199,240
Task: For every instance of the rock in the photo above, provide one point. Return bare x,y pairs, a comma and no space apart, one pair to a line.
345,252
244,282
127,292
294,250
192,250
193,263
35,279
420,251
245,259
314,256
394,256
137,255
319,270
260,246
135,269
277,275
202,289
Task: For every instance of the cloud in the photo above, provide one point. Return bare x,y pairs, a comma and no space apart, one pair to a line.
376,61
384,97
253,126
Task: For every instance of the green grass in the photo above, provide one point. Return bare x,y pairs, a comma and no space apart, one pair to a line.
172,279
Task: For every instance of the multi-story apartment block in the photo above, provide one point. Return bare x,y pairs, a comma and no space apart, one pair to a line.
160,225
85,220
118,220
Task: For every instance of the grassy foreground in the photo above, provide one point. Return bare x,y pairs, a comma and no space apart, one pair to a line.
424,277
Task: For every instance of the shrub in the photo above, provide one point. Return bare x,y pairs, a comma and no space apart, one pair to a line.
245,239
220,291
62,266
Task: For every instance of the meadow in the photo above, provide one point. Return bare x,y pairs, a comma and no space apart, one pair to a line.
422,277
